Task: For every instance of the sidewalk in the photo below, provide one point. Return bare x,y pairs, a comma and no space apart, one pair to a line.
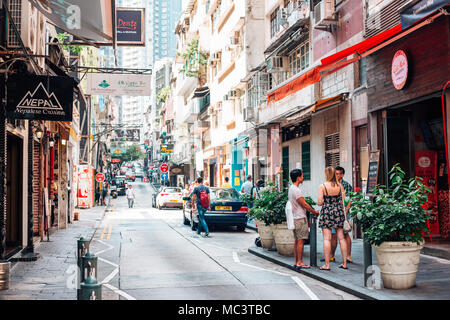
45,279
432,283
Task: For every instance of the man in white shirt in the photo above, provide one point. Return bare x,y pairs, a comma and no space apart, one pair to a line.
299,208
247,186
130,196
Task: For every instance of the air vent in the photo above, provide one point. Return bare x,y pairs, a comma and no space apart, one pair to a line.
332,150
383,19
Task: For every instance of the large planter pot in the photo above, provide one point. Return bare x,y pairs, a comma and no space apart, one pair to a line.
398,262
266,234
284,239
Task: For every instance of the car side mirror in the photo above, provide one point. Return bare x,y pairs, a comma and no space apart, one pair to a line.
187,199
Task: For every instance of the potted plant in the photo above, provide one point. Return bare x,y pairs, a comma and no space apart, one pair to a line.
272,203
259,212
395,223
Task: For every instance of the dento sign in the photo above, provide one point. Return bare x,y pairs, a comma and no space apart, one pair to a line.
40,98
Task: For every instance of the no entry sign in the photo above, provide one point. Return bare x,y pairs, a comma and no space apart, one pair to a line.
99,177
164,168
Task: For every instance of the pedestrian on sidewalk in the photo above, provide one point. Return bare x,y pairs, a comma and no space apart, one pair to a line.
97,195
332,215
299,208
227,183
104,194
130,196
201,201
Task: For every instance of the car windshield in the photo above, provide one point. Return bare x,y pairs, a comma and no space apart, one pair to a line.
225,194
172,190
119,181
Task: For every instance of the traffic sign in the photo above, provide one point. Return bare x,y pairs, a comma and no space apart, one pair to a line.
164,168
164,176
99,177
151,166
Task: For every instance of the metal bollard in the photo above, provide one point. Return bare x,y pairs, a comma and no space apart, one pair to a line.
313,241
4,275
88,266
82,249
91,289
367,250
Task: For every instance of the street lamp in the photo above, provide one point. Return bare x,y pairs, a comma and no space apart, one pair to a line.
52,143
63,142
39,134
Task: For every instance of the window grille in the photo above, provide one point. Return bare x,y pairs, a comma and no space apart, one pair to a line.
332,151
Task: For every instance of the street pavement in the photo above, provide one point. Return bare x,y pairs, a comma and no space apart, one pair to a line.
145,253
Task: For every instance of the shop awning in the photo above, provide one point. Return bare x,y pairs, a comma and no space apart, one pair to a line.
330,102
362,46
414,11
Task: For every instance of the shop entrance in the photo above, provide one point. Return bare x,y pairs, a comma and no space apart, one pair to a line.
14,194
414,138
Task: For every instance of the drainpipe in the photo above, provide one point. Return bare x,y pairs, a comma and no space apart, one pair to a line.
2,182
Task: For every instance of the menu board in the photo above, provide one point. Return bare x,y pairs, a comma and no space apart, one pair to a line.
374,167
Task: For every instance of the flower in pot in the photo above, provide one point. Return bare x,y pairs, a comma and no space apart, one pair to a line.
395,223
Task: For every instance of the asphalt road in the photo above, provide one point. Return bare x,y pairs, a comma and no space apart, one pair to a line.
145,253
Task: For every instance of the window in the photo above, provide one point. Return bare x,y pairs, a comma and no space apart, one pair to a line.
274,23
306,160
332,153
299,59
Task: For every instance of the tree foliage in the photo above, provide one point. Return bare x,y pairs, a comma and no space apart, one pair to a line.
62,37
270,205
195,60
132,153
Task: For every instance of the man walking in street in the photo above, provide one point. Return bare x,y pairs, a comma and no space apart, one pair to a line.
104,194
299,208
130,196
247,186
201,201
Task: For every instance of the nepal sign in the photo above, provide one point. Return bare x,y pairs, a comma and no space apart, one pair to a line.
40,98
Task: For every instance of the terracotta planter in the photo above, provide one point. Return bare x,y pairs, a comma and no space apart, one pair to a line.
266,235
284,239
398,262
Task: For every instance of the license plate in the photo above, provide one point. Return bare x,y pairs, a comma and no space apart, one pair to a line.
173,200
224,208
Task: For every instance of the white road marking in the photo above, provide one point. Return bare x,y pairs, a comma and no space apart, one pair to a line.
119,292
259,268
305,288
236,257
440,260
110,276
103,251
108,262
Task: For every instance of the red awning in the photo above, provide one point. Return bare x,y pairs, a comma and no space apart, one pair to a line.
362,46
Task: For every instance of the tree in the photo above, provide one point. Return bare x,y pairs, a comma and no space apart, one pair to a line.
132,153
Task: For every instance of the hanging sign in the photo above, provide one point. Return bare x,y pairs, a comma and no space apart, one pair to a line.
130,26
40,98
118,84
399,69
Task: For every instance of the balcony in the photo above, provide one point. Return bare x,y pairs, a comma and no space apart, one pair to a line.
192,111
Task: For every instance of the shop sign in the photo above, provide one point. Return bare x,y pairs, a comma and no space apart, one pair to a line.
167,148
374,165
399,69
115,160
130,26
132,135
40,98
135,85
426,168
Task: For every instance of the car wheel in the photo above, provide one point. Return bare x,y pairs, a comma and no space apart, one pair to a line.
193,224
241,228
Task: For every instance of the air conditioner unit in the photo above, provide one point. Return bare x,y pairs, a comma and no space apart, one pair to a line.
323,13
235,41
249,114
215,56
277,64
233,94
283,15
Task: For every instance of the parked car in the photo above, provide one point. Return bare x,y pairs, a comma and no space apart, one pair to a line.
119,185
170,197
130,175
226,209
139,173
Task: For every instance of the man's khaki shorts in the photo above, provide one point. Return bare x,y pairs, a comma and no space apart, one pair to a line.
301,229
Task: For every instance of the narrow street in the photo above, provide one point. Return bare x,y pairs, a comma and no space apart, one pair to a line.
145,253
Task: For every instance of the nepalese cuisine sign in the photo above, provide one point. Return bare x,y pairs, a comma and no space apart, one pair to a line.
130,26
40,98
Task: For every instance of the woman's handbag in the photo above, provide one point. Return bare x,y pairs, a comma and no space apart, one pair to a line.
347,226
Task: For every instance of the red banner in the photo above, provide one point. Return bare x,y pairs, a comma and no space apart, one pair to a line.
426,168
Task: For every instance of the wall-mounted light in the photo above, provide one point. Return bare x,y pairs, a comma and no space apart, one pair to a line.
52,143
39,134
63,142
